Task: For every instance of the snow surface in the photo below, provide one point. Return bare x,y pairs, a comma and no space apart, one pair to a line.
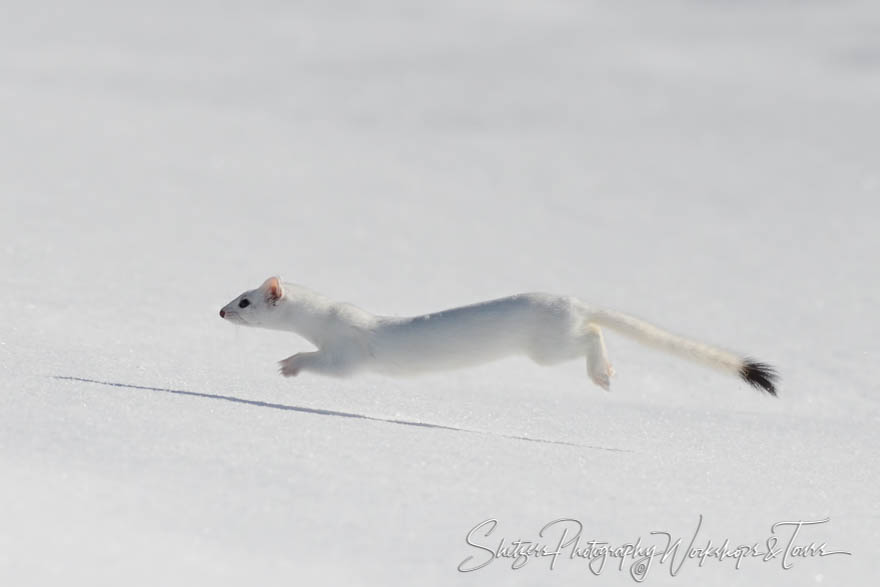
711,166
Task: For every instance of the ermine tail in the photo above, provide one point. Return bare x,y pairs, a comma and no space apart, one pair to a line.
758,375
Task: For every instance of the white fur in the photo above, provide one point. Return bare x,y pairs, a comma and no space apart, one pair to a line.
547,328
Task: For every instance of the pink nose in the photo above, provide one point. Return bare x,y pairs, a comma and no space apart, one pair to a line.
222,313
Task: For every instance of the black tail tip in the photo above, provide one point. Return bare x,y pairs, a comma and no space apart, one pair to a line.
759,376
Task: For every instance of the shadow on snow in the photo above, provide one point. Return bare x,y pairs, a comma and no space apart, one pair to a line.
322,412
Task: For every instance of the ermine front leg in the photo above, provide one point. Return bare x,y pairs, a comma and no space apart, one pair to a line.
291,366
317,361
598,367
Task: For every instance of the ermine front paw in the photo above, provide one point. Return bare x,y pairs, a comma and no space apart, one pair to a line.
289,367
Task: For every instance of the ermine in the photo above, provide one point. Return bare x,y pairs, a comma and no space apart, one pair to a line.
547,328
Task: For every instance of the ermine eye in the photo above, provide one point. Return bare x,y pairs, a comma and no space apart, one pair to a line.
244,304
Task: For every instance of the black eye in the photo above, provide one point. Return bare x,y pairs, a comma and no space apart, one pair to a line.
244,303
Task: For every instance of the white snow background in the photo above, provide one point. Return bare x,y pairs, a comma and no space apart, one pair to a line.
711,166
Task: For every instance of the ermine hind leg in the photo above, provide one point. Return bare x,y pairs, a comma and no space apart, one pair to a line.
598,367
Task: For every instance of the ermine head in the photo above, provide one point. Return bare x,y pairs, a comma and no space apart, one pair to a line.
255,307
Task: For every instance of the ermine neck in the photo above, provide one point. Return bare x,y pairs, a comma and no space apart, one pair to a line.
307,314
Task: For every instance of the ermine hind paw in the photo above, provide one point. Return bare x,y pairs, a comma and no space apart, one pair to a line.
603,378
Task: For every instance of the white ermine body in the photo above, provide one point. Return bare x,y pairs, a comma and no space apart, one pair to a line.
547,328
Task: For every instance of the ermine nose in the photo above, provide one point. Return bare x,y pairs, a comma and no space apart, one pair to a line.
222,313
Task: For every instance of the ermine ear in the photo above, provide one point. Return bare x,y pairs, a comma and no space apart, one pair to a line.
274,290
